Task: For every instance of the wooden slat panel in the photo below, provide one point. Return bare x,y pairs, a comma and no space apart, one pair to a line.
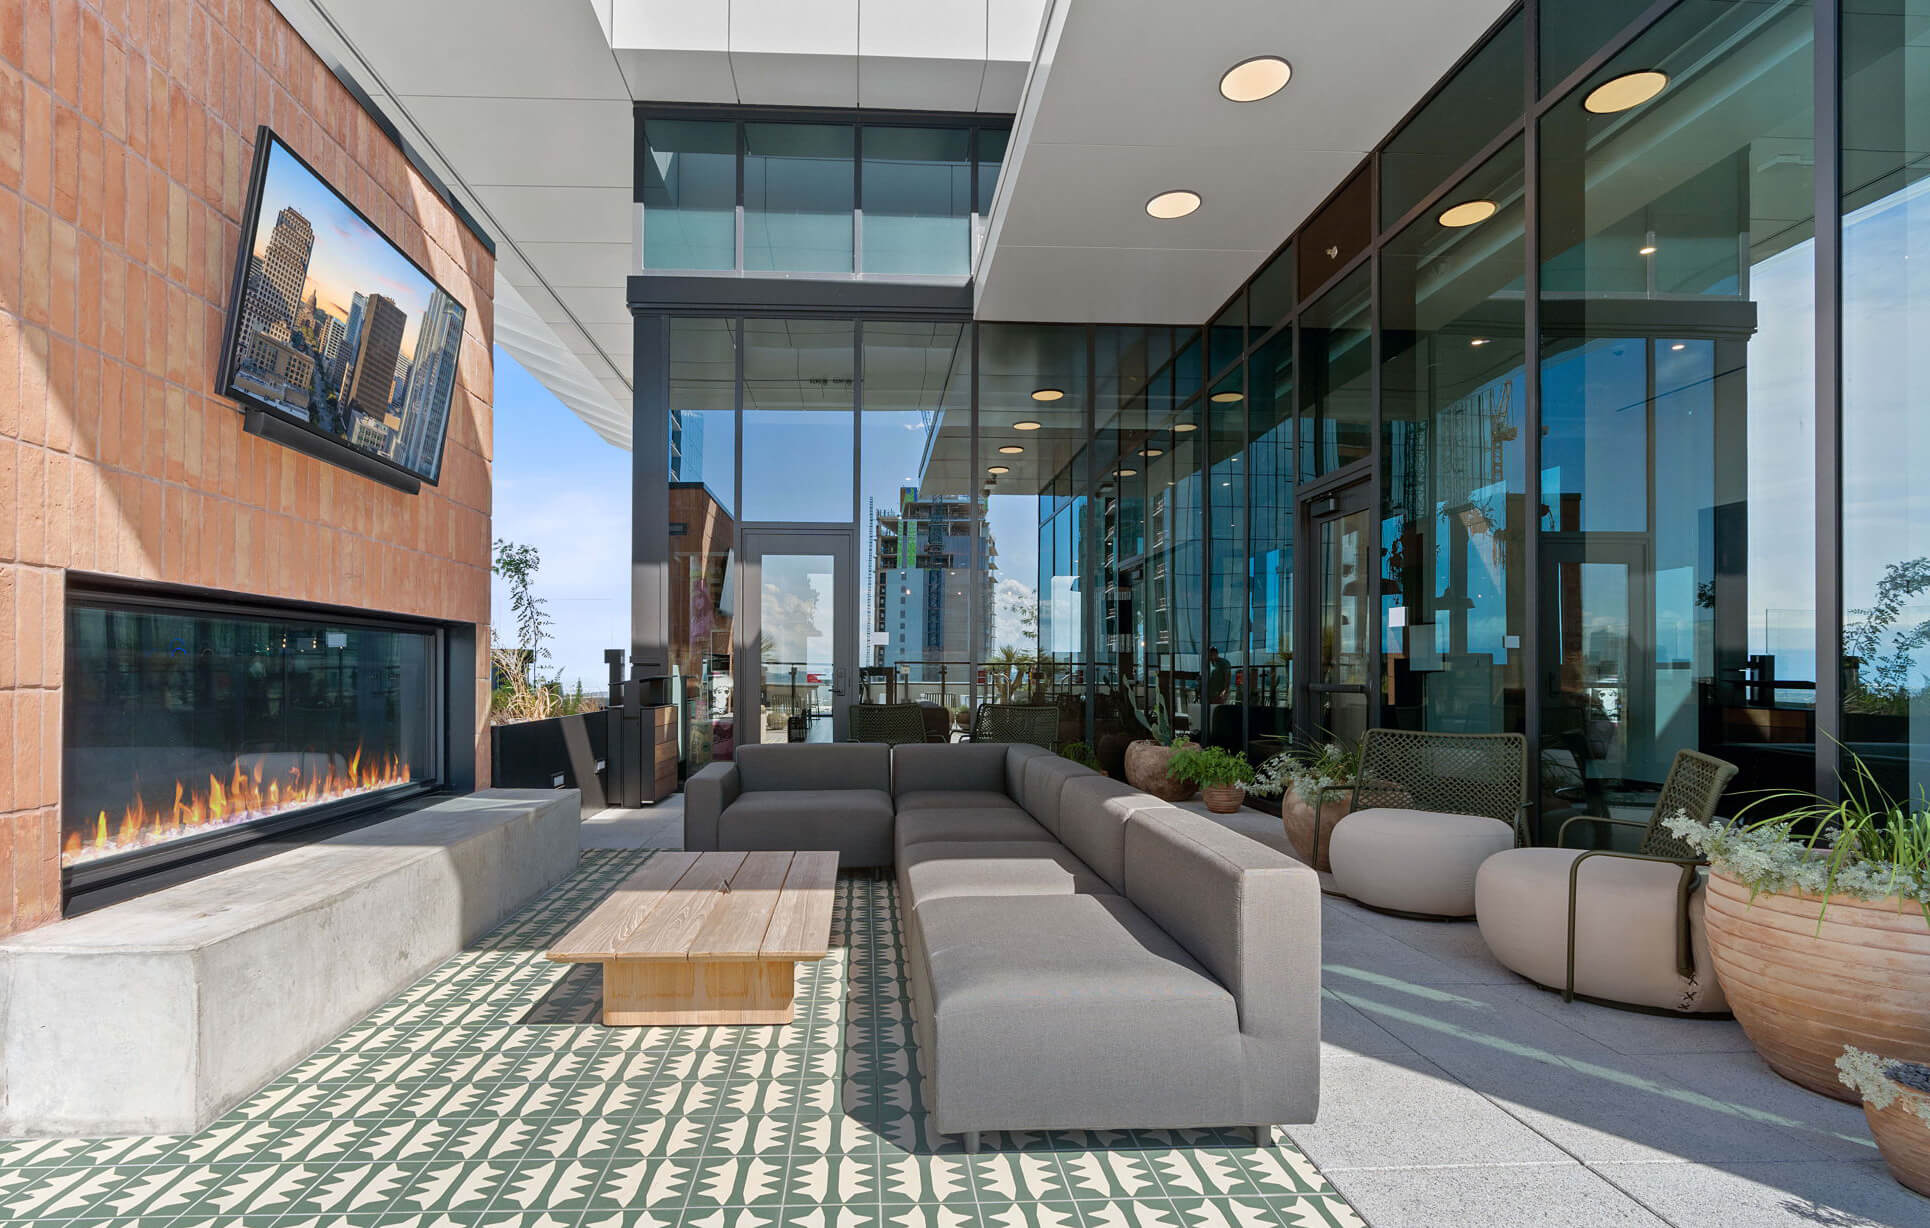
667,931
735,929
596,936
801,925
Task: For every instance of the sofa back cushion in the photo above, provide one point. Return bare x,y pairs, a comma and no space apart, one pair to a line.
1017,755
814,765
1092,822
1248,913
1045,777
941,766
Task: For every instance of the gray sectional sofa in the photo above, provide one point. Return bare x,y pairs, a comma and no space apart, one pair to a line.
1081,955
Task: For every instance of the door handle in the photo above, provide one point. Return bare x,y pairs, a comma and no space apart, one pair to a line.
837,680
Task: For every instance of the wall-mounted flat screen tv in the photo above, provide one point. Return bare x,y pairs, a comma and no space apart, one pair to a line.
333,330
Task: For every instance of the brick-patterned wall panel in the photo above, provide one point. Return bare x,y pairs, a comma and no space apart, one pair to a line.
126,136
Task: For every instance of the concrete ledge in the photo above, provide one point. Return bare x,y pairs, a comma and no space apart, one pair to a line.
157,1015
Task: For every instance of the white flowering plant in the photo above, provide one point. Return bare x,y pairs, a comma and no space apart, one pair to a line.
1864,845
1308,770
1881,1081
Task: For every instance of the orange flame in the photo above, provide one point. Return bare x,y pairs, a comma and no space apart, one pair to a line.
247,793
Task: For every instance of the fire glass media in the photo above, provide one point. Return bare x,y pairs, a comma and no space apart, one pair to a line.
184,722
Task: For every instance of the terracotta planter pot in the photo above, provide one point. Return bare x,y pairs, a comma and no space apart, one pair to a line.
1904,1139
1223,799
1309,833
1146,762
1801,993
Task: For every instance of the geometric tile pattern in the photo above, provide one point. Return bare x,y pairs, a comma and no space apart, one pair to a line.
485,1094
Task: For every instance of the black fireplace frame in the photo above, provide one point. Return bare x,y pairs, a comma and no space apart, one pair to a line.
96,883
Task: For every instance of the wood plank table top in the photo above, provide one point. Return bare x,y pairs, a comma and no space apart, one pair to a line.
763,912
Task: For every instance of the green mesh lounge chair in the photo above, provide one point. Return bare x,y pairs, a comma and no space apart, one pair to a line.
892,724
1622,929
1427,810
1035,724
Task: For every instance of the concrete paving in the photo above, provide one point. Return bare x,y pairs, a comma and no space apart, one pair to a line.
1454,1093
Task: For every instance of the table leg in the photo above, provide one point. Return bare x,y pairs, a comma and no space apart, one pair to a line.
665,993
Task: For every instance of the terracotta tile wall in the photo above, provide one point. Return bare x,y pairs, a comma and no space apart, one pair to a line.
126,137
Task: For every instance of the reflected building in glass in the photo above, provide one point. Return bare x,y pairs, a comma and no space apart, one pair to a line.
1584,408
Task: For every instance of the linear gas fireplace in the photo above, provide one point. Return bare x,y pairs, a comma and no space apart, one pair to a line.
193,728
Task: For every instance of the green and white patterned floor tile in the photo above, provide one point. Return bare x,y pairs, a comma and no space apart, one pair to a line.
486,1095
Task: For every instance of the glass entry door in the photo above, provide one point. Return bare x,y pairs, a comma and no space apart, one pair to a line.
796,644
1338,525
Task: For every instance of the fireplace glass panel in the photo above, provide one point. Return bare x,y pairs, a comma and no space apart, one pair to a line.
185,722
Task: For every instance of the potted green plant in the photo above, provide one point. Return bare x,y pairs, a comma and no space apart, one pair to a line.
1896,1103
1218,772
1315,785
1148,759
1819,926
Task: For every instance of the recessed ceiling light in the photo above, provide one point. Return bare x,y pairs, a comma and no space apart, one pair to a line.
1478,341
1647,249
1152,451
1025,426
1625,92
1263,76
1223,398
1169,205
1679,346
1011,449
1129,473
1183,427
1467,213
996,469
1048,394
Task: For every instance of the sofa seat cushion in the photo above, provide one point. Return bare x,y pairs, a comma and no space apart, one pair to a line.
955,824
854,823
1625,927
936,871
1415,861
955,799
1071,1011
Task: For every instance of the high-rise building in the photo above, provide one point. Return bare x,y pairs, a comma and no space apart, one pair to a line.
339,367
274,295
926,586
432,383
686,446
372,381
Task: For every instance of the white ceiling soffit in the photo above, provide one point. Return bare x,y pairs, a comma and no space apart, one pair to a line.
1124,103
523,113
919,55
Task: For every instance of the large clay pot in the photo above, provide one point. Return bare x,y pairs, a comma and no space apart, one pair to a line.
1802,992
1310,834
1146,762
1904,1139
1223,799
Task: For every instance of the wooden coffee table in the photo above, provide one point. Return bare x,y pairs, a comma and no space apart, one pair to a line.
707,938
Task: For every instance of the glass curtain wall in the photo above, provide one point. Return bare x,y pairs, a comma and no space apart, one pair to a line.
799,390
919,601
1677,409
1453,395
1885,219
822,199
703,500
1032,404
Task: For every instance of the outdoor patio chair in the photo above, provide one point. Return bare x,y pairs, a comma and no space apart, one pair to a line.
1627,932
1449,802
1037,724
892,724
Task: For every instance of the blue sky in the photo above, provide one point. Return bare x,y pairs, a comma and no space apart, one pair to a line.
562,489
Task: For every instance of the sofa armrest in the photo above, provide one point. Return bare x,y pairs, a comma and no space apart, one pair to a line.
705,796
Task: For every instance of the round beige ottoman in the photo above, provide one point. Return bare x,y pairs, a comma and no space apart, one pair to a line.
1415,861
1625,928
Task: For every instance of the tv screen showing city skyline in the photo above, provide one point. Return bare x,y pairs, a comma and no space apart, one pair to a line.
334,327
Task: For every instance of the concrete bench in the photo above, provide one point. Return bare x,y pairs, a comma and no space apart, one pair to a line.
158,1014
